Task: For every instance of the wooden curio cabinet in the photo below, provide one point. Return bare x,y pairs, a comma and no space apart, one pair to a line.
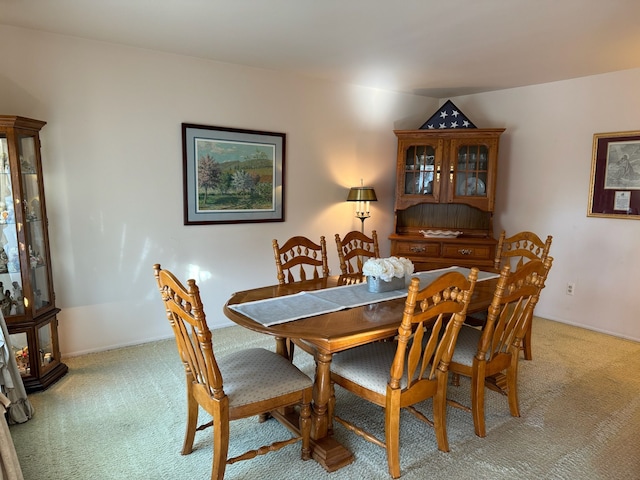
446,181
27,299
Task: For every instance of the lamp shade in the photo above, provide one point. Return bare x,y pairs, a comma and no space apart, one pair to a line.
362,194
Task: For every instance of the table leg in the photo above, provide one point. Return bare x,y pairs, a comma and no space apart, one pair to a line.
328,452
321,394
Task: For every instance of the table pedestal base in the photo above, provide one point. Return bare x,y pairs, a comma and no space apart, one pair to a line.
327,451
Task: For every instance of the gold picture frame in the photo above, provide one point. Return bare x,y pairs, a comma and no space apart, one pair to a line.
615,175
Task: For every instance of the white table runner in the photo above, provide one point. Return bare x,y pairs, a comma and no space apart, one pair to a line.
273,311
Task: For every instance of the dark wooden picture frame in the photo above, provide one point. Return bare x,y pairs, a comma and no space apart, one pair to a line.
232,175
615,175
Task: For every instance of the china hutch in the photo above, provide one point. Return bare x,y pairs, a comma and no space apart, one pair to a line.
27,299
445,192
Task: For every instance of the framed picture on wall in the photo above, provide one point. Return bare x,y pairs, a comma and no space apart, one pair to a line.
232,175
615,175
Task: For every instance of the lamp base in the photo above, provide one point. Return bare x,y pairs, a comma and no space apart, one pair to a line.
362,219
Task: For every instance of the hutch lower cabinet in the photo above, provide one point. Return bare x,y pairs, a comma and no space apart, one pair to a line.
445,192
27,299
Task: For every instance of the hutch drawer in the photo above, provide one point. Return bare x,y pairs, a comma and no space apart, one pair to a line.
415,249
471,251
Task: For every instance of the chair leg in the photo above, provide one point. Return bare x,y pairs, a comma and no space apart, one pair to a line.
477,403
220,447
305,429
440,414
192,420
512,387
291,347
526,344
392,434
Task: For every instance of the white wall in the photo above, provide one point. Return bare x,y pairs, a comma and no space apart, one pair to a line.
113,176
113,172
544,184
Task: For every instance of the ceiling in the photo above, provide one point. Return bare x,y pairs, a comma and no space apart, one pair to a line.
437,48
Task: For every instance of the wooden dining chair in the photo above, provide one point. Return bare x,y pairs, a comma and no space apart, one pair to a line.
399,374
351,279
489,356
519,249
300,259
354,249
245,383
516,251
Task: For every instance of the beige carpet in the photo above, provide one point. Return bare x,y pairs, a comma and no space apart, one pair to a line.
120,415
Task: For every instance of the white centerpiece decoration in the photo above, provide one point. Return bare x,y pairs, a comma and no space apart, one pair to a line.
386,274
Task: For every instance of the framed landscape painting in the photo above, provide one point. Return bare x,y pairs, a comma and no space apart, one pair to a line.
232,175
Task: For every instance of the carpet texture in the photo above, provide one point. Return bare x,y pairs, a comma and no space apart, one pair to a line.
121,415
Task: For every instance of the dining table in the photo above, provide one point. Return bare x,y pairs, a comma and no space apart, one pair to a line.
317,315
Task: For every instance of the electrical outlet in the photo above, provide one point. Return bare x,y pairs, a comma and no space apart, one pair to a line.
571,288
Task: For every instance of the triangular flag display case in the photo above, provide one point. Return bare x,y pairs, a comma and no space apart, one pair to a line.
445,192
448,116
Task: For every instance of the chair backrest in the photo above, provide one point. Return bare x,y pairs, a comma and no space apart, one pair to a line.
512,308
433,317
354,249
300,259
193,337
351,278
519,249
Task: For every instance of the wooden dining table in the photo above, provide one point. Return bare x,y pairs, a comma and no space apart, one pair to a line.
326,334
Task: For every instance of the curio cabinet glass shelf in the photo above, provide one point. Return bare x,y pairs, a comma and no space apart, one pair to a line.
27,298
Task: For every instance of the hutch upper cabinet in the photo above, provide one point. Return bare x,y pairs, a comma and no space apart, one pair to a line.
27,299
446,181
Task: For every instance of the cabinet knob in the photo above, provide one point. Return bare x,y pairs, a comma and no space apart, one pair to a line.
465,251
417,249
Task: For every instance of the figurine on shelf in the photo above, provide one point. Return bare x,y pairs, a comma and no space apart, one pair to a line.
18,299
4,213
17,291
14,260
33,260
22,359
27,213
34,208
6,210
6,303
26,166
4,260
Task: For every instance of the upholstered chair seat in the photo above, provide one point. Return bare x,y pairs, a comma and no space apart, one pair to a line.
368,366
240,370
467,345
